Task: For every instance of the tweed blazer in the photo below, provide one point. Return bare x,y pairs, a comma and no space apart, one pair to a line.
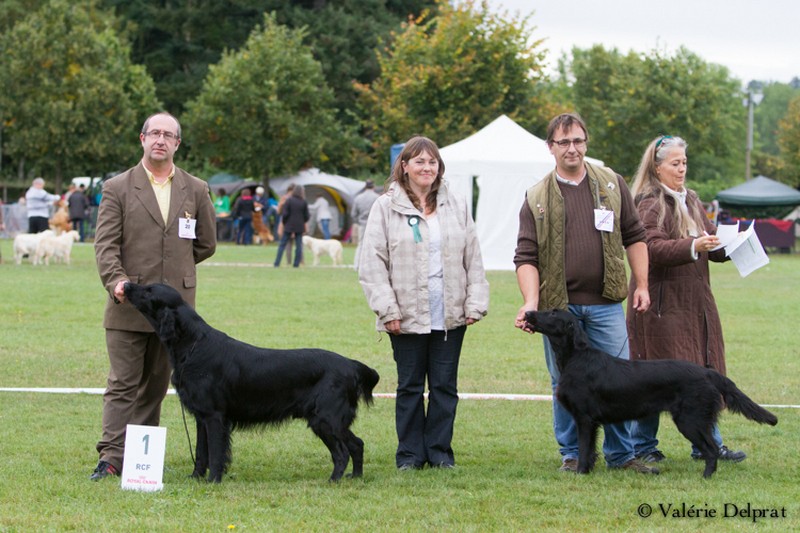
132,242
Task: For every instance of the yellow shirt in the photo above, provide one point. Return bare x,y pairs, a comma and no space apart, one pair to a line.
163,191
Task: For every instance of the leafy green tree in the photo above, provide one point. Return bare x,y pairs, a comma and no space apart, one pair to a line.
767,158
766,115
265,110
11,11
627,100
447,76
343,36
178,40
71,100
789,142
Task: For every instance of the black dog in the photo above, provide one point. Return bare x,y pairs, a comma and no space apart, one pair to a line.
229,384
597,388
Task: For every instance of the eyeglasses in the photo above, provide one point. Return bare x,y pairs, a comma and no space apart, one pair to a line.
564,143
155,134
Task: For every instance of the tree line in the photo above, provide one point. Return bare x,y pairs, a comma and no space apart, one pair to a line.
264,88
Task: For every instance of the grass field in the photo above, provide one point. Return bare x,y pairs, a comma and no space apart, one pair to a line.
506,479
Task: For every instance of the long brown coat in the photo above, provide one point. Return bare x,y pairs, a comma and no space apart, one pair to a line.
682,322
132,242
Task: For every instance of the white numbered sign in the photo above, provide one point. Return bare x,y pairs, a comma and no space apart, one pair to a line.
143,465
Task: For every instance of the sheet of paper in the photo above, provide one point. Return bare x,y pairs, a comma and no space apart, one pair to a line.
746,251
726,233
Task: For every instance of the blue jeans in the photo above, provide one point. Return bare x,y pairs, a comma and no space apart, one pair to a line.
326,231
643,434
605,327
426,437
245,235
298,254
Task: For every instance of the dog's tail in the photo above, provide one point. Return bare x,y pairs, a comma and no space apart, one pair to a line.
739,402
367,379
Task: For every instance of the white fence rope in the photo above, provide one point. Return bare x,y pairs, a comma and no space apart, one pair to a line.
389,395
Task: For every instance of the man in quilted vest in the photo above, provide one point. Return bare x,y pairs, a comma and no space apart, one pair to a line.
576,226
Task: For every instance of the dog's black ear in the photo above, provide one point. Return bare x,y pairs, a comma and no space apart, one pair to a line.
166,323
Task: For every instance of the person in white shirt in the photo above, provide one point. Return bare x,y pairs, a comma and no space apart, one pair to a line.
38,202
322,210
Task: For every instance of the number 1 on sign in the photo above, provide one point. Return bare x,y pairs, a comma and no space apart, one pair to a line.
143,463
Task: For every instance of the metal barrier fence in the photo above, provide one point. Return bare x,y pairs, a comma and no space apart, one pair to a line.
15,218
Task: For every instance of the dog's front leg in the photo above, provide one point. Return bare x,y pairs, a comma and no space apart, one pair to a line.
218,431
711,467
200,450
587,442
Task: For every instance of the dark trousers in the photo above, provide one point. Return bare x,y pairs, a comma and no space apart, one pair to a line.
137,383
38,224
298,254
77,225
426,437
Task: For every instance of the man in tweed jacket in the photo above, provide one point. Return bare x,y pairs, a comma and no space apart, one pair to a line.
154,224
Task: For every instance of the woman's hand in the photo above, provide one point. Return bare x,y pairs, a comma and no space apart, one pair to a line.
393,327
706,243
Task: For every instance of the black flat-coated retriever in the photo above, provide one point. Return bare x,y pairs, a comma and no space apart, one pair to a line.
228,384
597,388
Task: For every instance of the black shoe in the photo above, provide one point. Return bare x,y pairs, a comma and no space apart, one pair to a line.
725,455
104,469
653,457
728,455
409,466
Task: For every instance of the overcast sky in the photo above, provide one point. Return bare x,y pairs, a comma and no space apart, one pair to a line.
755,39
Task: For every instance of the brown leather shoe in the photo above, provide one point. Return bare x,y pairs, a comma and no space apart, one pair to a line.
637,466
569,465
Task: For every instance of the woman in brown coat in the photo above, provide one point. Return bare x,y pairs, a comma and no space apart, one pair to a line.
682,322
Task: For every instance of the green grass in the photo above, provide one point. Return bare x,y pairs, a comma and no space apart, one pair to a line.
507,479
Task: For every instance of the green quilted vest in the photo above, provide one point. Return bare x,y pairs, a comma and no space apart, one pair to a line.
547,205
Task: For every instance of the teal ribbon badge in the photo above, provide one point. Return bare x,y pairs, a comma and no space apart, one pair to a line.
413,221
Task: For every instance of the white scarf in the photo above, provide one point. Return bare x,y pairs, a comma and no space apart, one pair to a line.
680,198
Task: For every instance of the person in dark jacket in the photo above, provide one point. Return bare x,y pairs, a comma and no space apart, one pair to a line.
682,322
243,212
78,209
294,214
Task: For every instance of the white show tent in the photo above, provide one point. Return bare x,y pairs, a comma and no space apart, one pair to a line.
506,159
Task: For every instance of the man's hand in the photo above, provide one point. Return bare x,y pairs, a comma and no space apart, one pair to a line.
119,290
520,320
641,300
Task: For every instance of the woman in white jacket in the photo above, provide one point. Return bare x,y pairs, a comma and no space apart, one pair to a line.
422,274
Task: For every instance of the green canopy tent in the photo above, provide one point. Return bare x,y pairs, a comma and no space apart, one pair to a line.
764,201
760,192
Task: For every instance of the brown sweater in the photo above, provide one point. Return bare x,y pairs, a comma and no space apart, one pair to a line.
583,252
